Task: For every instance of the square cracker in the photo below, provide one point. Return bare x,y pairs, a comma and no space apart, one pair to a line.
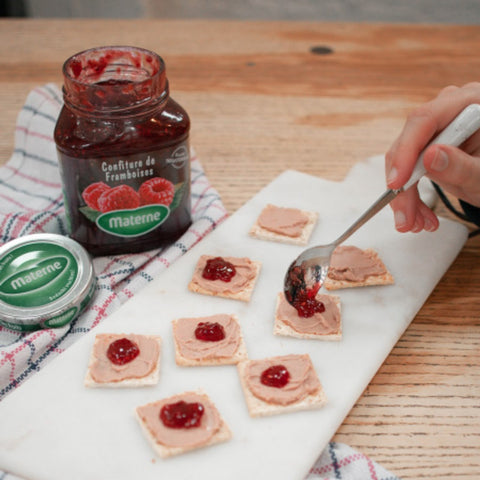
239,355
372,280
149,380
243,295
261,233
259,408
164,451
282,328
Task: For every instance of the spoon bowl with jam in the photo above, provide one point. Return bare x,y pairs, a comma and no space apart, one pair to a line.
307,273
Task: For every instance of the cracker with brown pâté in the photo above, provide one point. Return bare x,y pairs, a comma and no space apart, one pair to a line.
324,325
228,277
352,267
284,225
181,423
213,340
124,360
263,383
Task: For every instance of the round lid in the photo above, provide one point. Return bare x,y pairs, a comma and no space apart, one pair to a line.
45,281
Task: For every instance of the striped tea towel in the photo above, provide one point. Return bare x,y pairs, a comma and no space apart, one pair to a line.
341,462
31,202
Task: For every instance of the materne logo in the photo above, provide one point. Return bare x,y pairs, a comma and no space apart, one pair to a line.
35,277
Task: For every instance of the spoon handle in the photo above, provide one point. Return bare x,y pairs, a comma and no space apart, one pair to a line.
464,125
385,199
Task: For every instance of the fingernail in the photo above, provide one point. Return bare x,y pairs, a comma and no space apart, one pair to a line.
440,161
400,219
416,228
392,175
428,226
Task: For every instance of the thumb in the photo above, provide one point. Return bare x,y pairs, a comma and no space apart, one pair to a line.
457,171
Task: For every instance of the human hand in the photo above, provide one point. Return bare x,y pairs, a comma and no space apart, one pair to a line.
456,170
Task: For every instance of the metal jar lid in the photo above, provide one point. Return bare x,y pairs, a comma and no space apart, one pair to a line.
46,280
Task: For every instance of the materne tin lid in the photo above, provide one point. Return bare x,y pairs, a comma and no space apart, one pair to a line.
46,280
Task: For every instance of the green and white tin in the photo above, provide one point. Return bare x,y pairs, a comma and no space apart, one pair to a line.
46,280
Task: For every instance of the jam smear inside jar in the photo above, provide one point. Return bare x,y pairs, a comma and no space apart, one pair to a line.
182,414
123,151
122,351
209,332
275,376
218,268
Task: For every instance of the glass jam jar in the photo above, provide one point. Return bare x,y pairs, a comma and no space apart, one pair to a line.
123,152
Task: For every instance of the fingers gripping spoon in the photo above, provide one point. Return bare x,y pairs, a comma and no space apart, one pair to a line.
308,271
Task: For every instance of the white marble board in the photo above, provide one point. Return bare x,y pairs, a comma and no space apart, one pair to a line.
52,428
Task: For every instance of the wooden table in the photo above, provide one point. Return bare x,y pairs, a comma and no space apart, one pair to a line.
262,102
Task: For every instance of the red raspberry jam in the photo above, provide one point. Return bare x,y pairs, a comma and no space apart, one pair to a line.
276,376
182,414
209,332
307,305
123,152
303,299
122,351
218,269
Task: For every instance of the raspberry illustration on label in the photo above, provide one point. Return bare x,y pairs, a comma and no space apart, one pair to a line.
157,190
125,212
93,192
122,197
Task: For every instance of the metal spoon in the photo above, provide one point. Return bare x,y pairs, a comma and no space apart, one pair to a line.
308,271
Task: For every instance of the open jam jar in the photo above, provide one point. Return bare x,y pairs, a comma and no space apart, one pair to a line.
123,151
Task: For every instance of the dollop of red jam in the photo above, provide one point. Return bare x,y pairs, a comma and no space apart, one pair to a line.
218,269
122,351
307,305
275,376
182,414
209,332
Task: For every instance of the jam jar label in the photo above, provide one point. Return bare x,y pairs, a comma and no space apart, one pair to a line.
128,196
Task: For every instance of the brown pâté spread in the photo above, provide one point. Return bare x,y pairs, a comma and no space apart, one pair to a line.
303,379
102,370
284,221
245,272
352,264
325,323
181,437
190,347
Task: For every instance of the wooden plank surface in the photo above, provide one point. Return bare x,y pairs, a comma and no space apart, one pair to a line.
261,102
